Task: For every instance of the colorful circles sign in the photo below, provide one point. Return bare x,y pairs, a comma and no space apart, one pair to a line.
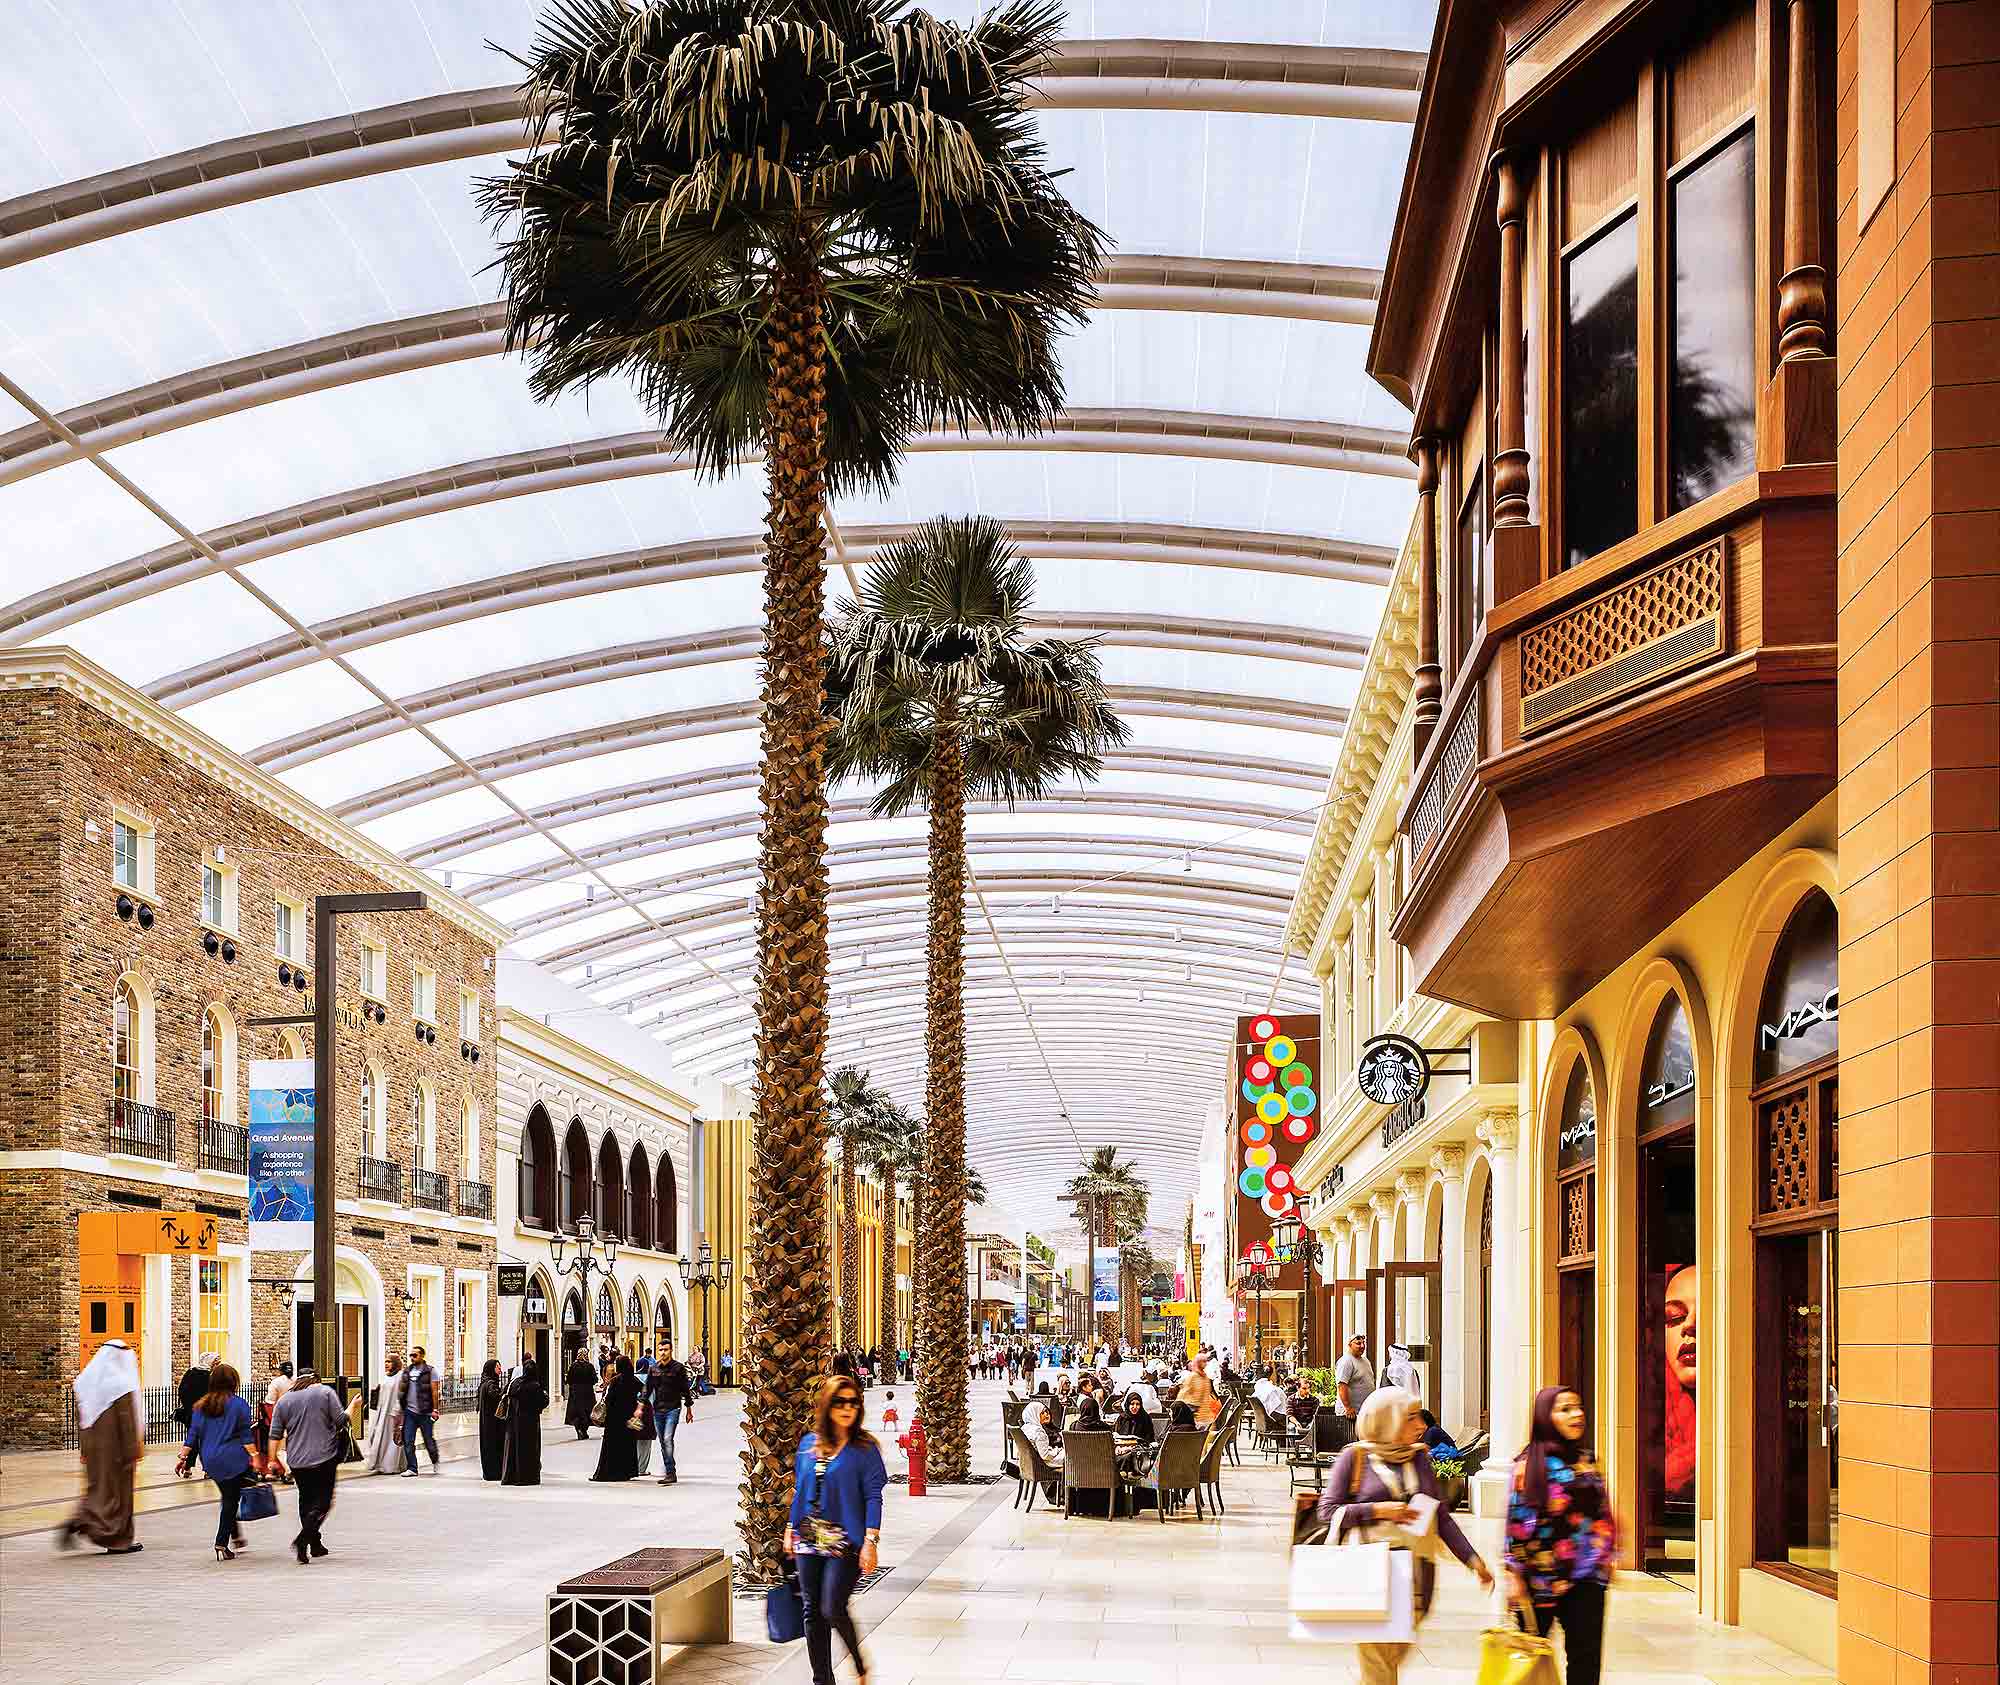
1255,1091
1278,1205
1261,1158
1278,1086
1271,1109
1280,1051
1256,1132
1298,1129
1252,1184
1296,1075
1278,1179
1260,1070
1264,1028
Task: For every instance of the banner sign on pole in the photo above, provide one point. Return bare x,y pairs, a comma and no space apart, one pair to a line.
1104,1284
282,1129
1021,1288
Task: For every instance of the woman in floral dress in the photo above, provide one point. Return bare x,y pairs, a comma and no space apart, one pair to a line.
1562,1541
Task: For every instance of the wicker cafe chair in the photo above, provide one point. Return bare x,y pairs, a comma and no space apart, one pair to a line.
1090,1464
1227,1426
1032,1469
1315,1455
1176,1471
1211,1470
1010,1418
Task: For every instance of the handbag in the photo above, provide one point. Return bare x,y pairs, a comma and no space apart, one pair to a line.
257,1502
785,1611
597,1412
502,1406
1340,1583
1507,1657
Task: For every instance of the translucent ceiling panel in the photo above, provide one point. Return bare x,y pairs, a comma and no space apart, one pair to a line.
1210,597
145,640
1199,675
68,522
672,760
336,778
114,314
398,831
248,718
591,706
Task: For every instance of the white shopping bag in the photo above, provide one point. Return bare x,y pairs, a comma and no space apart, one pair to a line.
1396,1627
1340,1582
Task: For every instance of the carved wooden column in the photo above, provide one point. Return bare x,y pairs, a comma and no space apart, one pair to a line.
1510,452
1427,689
1800,415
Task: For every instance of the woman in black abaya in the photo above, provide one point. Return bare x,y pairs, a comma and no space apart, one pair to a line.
492,1430
618,1455
527,1398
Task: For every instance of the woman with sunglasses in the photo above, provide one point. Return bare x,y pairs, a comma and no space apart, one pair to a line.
836,1521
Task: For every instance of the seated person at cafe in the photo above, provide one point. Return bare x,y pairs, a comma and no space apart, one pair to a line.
1180,1414
1437,1438
1304,1403
1088,1418
1268,1393
1133,1422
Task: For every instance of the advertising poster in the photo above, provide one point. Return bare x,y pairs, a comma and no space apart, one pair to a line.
281,1155
1104,1284
1021,1288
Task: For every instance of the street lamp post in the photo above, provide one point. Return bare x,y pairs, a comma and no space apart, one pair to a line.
705,1270
1257,1264
1294,1240
586,1241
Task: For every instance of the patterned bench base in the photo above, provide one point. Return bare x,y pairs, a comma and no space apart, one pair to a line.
608,1627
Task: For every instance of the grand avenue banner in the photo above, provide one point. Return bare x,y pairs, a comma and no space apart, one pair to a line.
282,1130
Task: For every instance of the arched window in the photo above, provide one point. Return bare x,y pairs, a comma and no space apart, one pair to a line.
610,1187
291,1045
214,1050
1576,1229
423,1126
635,1309
663,1321
468,1135
607,1309
639,1201
577,1189
666,1206
537,1189
573,1310
127,1037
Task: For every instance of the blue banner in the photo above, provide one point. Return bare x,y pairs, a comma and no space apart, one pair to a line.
282,1130
1104,1283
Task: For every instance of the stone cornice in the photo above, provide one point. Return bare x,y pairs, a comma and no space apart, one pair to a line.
1373,726
63,669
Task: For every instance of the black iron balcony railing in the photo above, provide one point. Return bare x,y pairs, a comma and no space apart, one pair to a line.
225,1146
475,1199
381,1178
430,1189
146,1131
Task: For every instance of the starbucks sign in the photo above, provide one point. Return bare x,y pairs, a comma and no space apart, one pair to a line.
1393,1070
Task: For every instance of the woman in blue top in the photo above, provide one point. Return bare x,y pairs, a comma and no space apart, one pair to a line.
836,1520
221,1432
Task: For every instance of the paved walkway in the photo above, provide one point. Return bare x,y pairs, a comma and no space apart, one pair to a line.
442,1580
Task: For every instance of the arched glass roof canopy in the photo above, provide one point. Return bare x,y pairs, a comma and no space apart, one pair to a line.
260,455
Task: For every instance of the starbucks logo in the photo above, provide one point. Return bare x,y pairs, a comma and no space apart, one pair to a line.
1393,1070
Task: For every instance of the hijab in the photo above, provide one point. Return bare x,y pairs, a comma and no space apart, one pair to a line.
1135,1422
208,1360
1586,1491
110,1374
1379,1427
1181,1415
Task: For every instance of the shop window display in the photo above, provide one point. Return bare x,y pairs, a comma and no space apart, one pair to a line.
1670,1329
1576,1232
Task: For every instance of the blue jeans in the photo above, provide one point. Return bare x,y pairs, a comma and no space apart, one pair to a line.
666,1423
825,1584
415,1422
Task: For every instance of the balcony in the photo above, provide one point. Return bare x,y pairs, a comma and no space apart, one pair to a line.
475,1199
1621,737
143,1131
430,1189
381,1178
225,1147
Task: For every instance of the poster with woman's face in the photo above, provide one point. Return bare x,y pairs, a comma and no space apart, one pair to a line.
1681,1350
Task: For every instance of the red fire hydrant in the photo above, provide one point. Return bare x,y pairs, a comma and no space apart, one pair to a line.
917,1446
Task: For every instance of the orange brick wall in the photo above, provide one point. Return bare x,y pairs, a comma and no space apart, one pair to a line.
1919,417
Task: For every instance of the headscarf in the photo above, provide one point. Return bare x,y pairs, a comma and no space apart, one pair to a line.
111,1373
208,1360
1586,1495
1379,1428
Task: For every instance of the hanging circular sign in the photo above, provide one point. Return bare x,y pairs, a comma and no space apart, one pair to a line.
1301,1101
1252,1184
1297,1074
1278,1179
1255,1091
1259,1070
1271,1109
1281,1050
1392,1070
1261,1158
1279,1205
1263,1029
1299,1129
1256,1132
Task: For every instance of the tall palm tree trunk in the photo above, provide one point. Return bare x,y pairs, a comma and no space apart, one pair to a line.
850,1249
941,1380
885,1330
786,1310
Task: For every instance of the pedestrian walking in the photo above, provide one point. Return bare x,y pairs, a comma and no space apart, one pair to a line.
385,1444
111,1414
582,1394
194,1387
728,1368
1367,1499
1562,1539
527,1397
274,1390
643,1437
419,1398
222,1433
617,1456
836,1521
670,1393
492,1430
308,1431
697,1367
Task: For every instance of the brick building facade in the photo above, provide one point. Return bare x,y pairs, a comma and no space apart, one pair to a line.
157,896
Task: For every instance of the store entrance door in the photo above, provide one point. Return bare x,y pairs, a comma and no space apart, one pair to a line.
1415,1316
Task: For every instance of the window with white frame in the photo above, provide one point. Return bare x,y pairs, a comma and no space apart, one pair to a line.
423,1125
128,1045
214,896
374,970
131,852
215,1059
289,925
470,1349
426,1315
374,1112
423,994
468,1014
212,1330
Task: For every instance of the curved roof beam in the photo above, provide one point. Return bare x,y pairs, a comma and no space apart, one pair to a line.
1302,292
733,827
1372,84
1337,449
716,781
712,558
572,746
655,655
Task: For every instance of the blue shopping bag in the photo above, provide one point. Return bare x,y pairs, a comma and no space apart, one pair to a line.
785,1611
258,1502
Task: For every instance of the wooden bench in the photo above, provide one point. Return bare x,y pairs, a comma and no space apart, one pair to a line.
609,1626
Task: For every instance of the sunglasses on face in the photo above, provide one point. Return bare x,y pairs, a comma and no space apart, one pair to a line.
847,1404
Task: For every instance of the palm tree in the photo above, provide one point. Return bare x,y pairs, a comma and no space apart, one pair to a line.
1137,1265
944,697
856,1106
891,1145
1110,1199
808,229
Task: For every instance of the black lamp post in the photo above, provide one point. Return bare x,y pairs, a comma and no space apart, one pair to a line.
1294,1240
1257,1264
705,1271
586,1240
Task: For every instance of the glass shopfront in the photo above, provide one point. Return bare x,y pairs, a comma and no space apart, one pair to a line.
1795,1113
1576,1236
1670,1278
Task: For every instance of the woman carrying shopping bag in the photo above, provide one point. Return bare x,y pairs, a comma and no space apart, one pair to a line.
1562,1541
1378,1488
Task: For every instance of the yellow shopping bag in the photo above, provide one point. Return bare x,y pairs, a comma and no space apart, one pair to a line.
1507,1657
